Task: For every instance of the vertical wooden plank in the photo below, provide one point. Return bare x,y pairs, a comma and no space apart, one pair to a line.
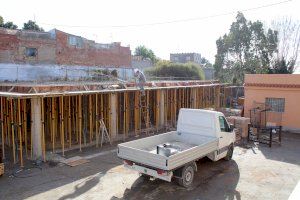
80,119
69,122
20,133
97,113
62,129
53,123
90,118
157,109
43,130
8,120
2,126
13,130
25,126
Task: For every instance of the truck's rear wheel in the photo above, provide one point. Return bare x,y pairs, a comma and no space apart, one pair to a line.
145,177
229,153
187,177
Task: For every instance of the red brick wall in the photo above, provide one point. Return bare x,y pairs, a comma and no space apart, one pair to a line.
13,44
8,45
89,55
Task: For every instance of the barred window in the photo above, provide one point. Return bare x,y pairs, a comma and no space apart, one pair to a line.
276,104
31,52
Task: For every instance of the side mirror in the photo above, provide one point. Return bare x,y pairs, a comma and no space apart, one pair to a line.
231,127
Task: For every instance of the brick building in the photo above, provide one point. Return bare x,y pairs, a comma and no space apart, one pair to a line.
60,48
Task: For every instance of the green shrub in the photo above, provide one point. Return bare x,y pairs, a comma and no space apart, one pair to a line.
187,71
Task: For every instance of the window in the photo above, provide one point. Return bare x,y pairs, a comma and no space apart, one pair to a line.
31,52
223,124
188,58
75,41
276,104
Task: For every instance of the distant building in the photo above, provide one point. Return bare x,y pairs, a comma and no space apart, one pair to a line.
35,55
140,63
185,57
195,58
59,48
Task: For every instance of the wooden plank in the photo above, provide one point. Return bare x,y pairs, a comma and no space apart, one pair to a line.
12,130
2,127
20,133
43,129
1,169
53,124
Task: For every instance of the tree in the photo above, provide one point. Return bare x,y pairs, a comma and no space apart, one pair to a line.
144,52
247,48
288,44
281,66
31,25
180,71
205,63
9,25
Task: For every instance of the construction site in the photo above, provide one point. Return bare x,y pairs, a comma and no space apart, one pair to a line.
78,121
36,119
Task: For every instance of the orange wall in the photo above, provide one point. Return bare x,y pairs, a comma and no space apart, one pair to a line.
260,86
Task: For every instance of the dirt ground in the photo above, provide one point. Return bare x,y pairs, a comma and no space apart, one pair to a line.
254,173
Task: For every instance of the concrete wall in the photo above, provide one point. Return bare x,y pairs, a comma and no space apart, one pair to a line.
258,87
40,73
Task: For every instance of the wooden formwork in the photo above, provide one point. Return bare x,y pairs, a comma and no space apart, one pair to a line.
70,121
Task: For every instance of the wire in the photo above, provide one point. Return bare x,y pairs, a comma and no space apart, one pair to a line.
172,21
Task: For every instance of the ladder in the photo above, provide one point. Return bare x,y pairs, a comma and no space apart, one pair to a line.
104,134
149,129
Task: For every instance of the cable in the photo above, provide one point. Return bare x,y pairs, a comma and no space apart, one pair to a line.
172,21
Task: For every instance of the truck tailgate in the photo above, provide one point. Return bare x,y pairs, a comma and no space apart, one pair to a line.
142,157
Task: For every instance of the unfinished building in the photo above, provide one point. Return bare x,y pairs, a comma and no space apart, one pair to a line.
36,119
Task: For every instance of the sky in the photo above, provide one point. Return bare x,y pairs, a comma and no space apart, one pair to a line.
195,24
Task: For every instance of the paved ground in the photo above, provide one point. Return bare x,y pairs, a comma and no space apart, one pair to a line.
255,173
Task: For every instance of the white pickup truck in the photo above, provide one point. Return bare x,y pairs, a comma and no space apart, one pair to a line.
174,154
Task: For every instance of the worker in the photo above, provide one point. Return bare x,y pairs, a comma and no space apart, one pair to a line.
140,80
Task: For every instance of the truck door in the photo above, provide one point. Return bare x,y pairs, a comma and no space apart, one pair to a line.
225,135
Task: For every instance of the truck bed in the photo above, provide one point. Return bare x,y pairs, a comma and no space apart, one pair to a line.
190,147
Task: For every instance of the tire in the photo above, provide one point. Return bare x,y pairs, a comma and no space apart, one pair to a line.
187,177
229,153
145,177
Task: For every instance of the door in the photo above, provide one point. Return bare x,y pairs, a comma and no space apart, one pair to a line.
225,136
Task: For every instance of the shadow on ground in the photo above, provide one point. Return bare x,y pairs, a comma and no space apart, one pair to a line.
48,178
214,180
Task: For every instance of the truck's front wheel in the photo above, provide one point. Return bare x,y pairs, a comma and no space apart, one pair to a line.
187,177
229,153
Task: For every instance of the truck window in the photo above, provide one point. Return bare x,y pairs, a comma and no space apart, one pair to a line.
223,124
